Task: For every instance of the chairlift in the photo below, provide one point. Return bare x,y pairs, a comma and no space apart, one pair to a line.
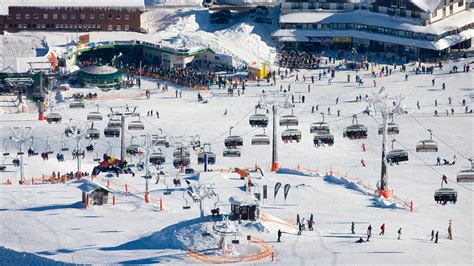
356,130
48,149
181,151
320,127
132,149
160,140
112,132
180,162
32,150
290,135
157,158
69,130
233,141
115,122
466,175
54,118
186,205
427,145
445,195
392,128
136,125
231,152
258,120
95,116
261,139
92,133
64,146
5,148
195,142
396,156
323,139
211,156
289,120
97,157
77,105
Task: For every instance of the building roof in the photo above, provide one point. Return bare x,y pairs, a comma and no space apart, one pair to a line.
99,70
441,44
5,4
16,52
426,5
244,200
381,20
89,186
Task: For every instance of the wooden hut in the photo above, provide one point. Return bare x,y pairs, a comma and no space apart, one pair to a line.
94,193
245,207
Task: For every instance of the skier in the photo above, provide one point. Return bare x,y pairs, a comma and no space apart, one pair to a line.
438,160
297,219
375,83
382,230
303,223
338,112
369,232
418,104
225,111
436,113
450,232
436,237
444,86
310,225
406,76
157,114
399,233
444,179
363,146
302,99
337,100
450,100
279,235
362,162
300,229
353,228
433,82
436,103
432,235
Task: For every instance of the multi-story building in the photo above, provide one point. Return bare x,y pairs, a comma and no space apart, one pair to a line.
69,15
415,28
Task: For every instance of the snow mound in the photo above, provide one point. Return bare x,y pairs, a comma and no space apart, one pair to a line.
383,203
289,171
258,226
345,182
12,257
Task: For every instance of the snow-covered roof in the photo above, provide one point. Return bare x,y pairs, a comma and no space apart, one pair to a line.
17,51
381,20
438,45
243,200
89,186
426,5
5,4
99,70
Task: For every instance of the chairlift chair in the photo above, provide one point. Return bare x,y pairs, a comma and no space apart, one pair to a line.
444,195
97,157
160,140
115,122
325,139
181,151
92,133
5,149
396,156
466,175
427,145
392,129
133,148
112,132
289,120
195,142
48,149
95,116
157,158
356,130
258,120
54,118
181,162
77,105
186,205
233,141
64,146
136,125
290,135
231,152
261,139
320,127
211,156
32,150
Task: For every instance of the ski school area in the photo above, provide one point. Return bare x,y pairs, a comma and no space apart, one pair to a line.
302,168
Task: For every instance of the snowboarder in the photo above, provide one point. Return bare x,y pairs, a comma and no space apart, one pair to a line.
279,235
432,235
382,230
353,228
436,237
399,233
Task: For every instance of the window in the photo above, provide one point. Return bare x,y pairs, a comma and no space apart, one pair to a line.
6,26
117,27
118,17
45,16
75,26
27,16
83,16
65,26
403,13
127,27
101,16
110,16
311,5
64,16
451,9
444,12
93,26
36,16
9,16
18,16
43,26
391,11
126,16
460,3
73,16
325,6
340,6
99,26
92,16
20,26
80,26
61,26
55,16
296,5
111,27
56,26
415,14
403,4
435,13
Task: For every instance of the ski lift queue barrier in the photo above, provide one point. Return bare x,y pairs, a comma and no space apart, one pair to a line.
174,80
265,252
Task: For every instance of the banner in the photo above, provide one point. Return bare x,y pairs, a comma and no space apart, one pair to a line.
265,191
277,187
285,190
84,38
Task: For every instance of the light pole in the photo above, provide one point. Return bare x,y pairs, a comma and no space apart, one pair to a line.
20,136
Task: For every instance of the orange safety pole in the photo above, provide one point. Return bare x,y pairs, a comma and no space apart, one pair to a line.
108,182
147,197
126,189
161,204
86,201
411,206
273,253
32,180
113,200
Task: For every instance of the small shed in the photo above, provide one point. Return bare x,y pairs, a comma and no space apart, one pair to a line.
256,72
245,207
94,193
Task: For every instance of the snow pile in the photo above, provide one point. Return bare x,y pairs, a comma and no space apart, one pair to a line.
258,226
384,203
289,171
345,182
171,3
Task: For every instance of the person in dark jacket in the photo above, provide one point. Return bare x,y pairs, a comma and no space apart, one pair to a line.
279,235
